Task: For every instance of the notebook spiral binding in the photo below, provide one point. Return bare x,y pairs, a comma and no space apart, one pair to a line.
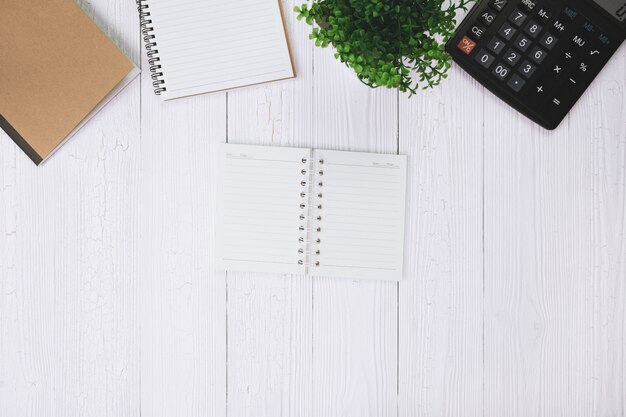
149,39
306,224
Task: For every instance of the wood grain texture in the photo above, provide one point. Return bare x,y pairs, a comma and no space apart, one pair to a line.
183,297
270,316
554,258
110,304
354,322
68,261
440,302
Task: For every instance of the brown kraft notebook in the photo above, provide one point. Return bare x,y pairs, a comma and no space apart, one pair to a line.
57,70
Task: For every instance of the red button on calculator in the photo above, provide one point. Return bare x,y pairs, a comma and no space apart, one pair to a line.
466,45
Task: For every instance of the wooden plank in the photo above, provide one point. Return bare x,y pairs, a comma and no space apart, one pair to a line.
596,328
354,322
440,303
183,310
269,316
554,258
68,269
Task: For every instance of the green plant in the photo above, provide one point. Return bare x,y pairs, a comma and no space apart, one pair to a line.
391,43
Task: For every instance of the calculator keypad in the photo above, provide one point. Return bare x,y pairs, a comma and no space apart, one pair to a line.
507,31
538,51
517,17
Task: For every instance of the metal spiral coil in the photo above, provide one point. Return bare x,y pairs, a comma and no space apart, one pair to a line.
149,39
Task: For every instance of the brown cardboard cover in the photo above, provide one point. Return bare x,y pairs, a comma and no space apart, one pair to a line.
56,66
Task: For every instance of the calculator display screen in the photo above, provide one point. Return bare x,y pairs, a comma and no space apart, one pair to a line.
617,8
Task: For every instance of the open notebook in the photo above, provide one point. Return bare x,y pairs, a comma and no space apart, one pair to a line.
315,212
202,46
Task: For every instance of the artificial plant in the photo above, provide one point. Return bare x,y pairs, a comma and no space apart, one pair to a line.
391,43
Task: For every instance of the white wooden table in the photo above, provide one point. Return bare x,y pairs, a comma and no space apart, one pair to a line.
515,291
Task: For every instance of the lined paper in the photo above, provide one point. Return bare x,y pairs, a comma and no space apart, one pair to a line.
323,213
213,45
260,209
361,220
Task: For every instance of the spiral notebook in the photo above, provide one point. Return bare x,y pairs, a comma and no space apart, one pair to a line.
203,46
313,212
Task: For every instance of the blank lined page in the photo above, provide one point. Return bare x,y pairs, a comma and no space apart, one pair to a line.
360,213
213,45
260,207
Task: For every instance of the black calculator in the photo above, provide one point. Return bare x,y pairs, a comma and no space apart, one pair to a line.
539,56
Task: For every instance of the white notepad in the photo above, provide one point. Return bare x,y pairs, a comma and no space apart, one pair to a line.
201,46
314,212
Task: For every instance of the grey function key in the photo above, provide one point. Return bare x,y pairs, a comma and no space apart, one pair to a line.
548,41
516,83
517,17
484,58
507,31
496,45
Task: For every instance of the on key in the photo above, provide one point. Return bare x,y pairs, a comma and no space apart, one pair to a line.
466,45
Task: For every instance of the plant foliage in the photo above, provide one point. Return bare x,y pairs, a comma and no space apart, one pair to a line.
391,43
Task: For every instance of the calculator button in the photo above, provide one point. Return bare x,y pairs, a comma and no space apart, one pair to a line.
604,40
507,31
570,13
533,28
495,45
528,5
512,57
568,57
589,28
560,25
487,17
517,17
548,41
582,68
537,92
522,43
497,5
572,81
477,31
538,55
526,69
557,70
484,58
556,101
543,15
579,41
516,83
595,52
466,45
501,71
